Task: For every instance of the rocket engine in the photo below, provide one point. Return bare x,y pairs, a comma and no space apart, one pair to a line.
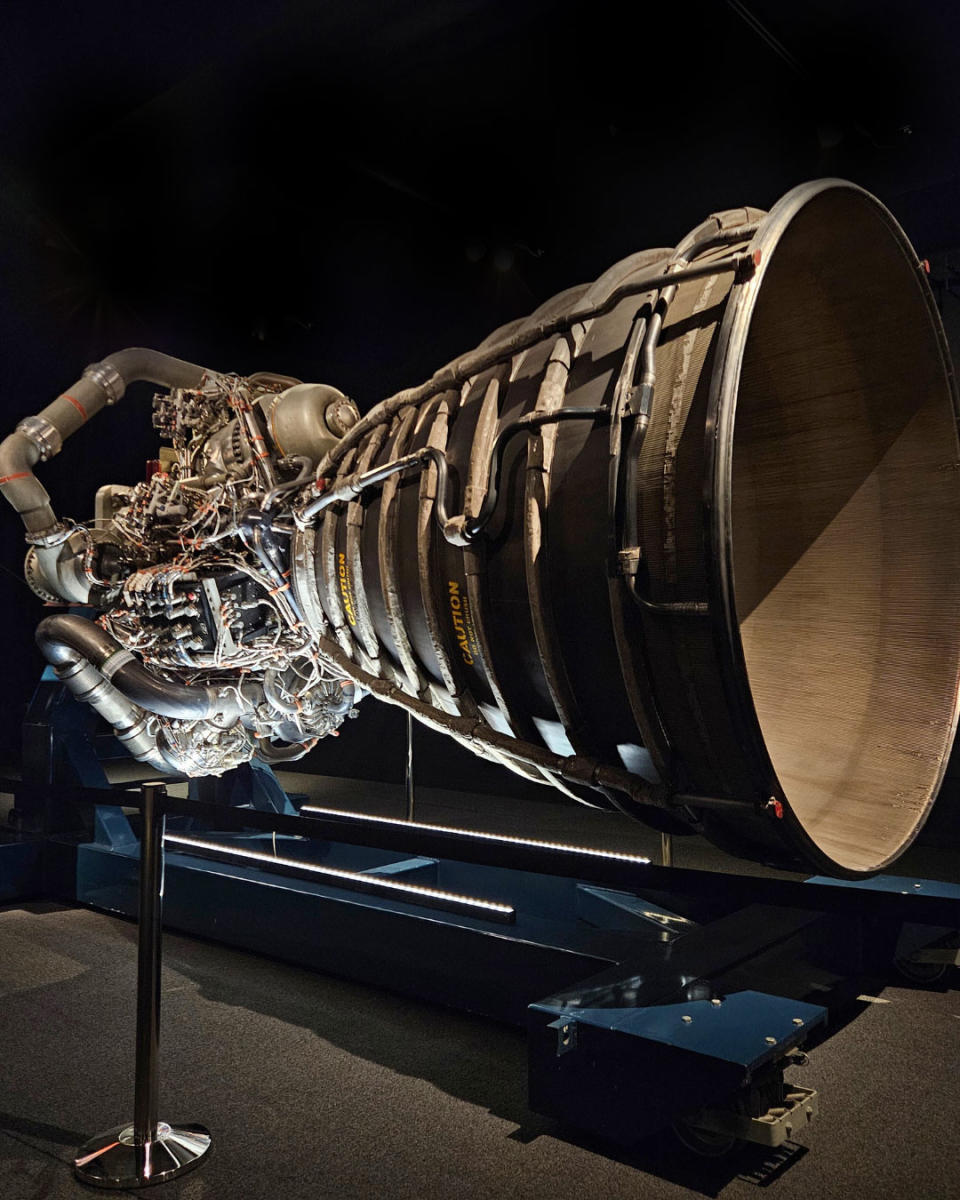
685,542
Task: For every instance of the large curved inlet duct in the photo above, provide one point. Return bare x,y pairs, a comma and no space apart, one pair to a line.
685,543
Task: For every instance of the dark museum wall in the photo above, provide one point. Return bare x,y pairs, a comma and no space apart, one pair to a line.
356,192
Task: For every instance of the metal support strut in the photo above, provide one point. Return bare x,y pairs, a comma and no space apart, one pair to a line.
408,773
148,1151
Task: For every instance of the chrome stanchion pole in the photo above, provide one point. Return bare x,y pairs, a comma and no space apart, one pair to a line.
408,777
148,1151
666,849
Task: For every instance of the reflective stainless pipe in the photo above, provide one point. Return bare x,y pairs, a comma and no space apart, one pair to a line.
64,637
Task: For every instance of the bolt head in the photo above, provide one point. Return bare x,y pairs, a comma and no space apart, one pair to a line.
687,1020
771,1041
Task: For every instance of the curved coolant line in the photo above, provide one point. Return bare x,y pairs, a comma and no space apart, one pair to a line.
41,437
306,473
281,754
62,637
271,689
131,724
458,529
140,364
351,695
521,339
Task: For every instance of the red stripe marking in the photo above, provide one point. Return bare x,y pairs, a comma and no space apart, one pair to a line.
19,475
76,404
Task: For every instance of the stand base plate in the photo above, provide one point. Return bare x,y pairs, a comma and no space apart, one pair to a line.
112,1160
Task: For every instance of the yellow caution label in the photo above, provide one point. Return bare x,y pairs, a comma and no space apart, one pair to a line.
463,629
346,589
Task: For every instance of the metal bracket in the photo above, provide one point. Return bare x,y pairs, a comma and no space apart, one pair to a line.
629,560
638,400
772,1129
566,1029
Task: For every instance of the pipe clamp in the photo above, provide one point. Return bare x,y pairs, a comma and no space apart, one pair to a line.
106,376
110,666
43,434
54,535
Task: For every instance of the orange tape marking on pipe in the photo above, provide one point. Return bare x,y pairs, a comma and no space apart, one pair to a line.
76,404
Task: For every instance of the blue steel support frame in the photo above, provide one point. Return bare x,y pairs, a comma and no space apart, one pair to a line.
639,1010
65,745
638,1013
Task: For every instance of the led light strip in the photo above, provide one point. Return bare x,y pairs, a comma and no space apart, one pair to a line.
354,879
313,810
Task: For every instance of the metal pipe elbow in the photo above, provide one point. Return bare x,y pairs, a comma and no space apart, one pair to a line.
20,487
137,363
271,689
61,637
41,436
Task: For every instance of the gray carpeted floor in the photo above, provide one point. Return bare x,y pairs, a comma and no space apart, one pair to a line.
316,1087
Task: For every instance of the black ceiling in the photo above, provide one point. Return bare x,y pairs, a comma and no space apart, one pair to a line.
356,191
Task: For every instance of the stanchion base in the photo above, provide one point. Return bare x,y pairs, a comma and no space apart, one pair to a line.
111,1160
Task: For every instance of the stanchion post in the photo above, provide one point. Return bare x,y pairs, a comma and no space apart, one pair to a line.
148,1151
408,775
666,849
149,958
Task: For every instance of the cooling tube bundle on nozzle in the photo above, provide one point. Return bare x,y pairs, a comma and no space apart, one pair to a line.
683,543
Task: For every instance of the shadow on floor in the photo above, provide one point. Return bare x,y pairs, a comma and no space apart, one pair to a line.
472,1059
12,1124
